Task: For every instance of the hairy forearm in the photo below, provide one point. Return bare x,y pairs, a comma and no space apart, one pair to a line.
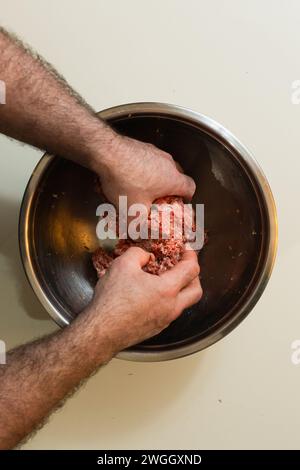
40,375
42,110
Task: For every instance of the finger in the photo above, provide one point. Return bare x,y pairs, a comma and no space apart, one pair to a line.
136,255
162,153
189,296
168,157
183,272
185,186
179,167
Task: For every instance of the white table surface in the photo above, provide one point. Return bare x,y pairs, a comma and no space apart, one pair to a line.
233,61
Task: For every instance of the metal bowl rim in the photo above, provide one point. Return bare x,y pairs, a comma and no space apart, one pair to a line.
211,126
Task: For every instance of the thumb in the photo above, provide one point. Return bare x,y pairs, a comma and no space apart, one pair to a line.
185,186
137,256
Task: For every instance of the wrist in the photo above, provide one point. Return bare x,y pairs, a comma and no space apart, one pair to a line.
90,339
103,148
105,333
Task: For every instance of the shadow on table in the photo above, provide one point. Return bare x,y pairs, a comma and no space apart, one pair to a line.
9,248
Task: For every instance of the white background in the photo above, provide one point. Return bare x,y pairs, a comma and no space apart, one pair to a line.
235,61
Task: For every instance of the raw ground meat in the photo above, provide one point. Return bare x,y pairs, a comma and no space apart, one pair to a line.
165,252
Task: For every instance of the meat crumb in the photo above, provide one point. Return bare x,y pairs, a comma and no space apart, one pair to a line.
165,252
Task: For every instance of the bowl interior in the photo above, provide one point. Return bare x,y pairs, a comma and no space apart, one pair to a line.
63,221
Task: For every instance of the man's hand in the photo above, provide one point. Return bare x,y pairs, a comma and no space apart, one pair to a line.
131,305
42,110
140,171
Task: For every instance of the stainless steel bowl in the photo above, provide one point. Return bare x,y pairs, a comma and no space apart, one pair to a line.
58,220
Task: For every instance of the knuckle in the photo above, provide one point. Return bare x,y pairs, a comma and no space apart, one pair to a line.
168,156
193,268
198,293
137,251
119,263
133,254
186,185
196,269
132,250
190,185
151,147
191,272
167,289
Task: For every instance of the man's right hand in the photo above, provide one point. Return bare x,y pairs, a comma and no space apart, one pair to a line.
138,170
130,305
